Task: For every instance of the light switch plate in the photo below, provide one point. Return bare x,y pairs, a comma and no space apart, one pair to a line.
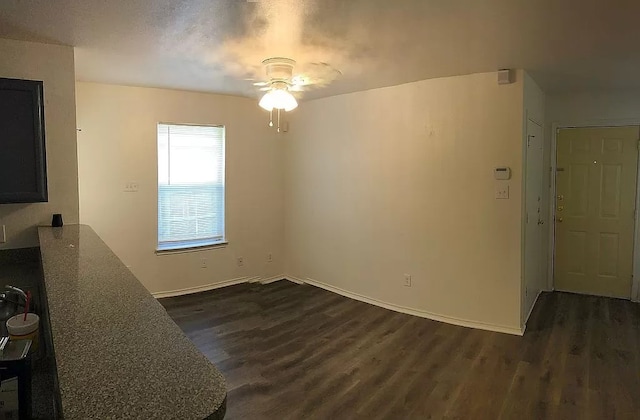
502,192
3,234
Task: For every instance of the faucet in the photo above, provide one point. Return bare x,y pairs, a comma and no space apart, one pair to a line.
17,290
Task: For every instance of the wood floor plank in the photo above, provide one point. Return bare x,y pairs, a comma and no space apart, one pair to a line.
293,351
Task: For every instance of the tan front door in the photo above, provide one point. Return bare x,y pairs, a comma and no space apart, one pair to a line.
595,206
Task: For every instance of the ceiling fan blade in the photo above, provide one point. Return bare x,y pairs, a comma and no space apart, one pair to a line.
300,80
317,74
260,83
265,89
296,88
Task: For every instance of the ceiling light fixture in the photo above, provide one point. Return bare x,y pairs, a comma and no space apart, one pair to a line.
280,72
279,98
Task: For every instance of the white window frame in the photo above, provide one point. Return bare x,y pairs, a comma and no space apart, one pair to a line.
194,245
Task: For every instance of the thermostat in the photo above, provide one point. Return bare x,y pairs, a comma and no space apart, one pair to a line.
502,173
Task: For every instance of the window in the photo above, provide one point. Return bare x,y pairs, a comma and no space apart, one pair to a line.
190,186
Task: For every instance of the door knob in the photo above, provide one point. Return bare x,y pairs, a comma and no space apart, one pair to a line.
559,219
560,208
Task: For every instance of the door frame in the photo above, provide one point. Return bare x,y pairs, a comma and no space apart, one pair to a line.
604,123
525,312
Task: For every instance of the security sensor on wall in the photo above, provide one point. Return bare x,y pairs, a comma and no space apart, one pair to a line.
505,76
502,173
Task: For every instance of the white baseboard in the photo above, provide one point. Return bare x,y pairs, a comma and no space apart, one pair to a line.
206,287
294,279
269,280
524,325
226,283
411,311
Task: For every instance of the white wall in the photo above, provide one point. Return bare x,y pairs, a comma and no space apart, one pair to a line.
53,65
583,107
534,110
593,108
400,180
534,100
118,144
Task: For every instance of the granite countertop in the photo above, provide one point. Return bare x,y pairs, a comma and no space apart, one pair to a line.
118,354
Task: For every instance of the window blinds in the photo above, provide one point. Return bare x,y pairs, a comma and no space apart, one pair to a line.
190,186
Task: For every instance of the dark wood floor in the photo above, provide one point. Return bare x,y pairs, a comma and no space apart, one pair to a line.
290,351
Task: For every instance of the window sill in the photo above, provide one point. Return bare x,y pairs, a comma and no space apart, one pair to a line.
195,248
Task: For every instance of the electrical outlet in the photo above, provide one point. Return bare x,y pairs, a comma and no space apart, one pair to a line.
502,192
203,263
240,261
269,257
3,234
407,280
131,186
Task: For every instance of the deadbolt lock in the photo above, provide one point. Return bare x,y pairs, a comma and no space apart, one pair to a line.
560,197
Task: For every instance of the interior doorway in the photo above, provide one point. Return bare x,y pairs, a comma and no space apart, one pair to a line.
595,202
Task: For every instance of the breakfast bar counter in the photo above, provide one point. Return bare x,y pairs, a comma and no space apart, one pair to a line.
117,352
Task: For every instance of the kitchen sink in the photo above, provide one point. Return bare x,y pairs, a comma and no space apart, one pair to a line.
8,308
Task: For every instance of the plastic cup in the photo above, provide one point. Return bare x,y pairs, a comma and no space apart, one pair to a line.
19,329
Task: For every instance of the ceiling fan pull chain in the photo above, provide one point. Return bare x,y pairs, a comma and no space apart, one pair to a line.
271,118
278,120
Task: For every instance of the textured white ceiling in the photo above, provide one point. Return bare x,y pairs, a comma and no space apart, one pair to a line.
209,45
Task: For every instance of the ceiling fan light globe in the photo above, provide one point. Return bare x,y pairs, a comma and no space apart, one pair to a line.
291,104
278,99
267,102
291,107
284,100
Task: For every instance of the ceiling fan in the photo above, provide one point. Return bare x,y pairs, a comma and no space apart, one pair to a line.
282,81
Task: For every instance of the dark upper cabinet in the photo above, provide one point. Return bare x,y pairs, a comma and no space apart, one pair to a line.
23,163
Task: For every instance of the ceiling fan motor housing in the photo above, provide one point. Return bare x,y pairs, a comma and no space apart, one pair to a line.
279,68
